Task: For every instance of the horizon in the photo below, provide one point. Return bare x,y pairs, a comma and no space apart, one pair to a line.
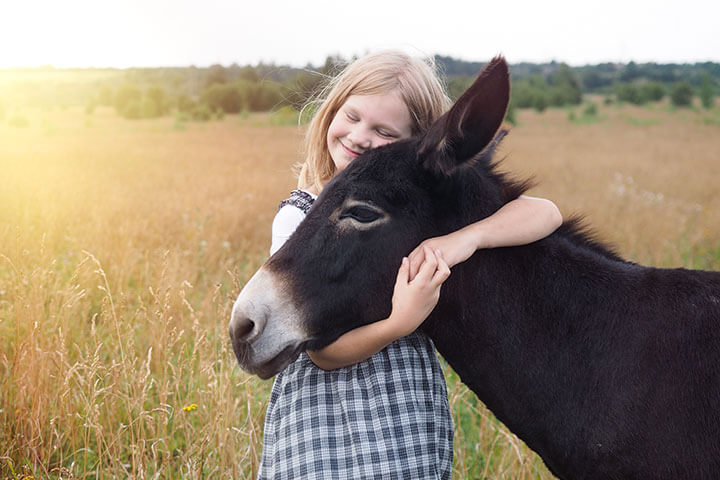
320,64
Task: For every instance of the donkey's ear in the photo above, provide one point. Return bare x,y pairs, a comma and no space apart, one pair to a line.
470,125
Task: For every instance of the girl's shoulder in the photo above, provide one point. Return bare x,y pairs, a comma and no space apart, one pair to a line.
299,199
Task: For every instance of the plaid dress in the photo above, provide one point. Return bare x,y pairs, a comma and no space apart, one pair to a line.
384,418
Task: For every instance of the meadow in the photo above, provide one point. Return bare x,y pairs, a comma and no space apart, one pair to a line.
123,245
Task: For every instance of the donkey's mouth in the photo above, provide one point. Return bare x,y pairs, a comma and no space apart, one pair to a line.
276,364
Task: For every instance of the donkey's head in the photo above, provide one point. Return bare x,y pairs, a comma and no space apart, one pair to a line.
337,270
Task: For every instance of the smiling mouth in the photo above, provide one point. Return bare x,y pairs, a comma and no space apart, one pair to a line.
352,153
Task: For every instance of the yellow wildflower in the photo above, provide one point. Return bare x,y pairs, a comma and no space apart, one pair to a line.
190,408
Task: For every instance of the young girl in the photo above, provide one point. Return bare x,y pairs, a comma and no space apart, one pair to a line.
373,404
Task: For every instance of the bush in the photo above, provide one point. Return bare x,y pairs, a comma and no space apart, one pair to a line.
227,97
127,101
540,102
133,110
707,96
590,110
565,87
652,91
155,102
639,94
184,103
262,96
535,92
216,74
528,94
302,88
628,92
202,113
681,94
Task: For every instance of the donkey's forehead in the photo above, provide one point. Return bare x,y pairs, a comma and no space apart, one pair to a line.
393,166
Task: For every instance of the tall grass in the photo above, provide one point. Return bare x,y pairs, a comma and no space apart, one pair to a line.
123,246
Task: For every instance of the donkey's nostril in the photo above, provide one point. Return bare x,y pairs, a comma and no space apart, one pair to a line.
241,328
244,328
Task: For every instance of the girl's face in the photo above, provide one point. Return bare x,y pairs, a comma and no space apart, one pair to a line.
364,122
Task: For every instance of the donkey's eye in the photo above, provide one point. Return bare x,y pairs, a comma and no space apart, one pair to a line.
360,214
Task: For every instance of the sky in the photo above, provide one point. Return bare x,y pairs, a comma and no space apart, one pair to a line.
149,33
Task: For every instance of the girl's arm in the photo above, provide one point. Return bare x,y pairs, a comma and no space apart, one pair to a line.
519,222
412,302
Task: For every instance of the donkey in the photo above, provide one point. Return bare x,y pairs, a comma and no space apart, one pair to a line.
605,368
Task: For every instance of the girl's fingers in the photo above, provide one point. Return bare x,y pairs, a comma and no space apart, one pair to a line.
402,276
427,269
417,257
443,271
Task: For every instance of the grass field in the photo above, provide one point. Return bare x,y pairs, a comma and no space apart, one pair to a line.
124,243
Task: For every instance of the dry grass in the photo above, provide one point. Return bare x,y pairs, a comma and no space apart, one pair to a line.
123,245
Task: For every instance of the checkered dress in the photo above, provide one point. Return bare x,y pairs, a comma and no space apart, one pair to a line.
384,418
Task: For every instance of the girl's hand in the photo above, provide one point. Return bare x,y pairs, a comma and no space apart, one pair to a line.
455,248
414,299
412,302
519,222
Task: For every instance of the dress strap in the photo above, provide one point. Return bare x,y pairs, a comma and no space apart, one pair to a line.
299,199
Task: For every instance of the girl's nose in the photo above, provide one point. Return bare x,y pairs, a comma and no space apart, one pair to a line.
360,139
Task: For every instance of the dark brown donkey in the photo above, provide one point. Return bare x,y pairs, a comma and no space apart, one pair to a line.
607,369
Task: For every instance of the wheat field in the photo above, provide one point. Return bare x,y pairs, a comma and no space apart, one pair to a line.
124,243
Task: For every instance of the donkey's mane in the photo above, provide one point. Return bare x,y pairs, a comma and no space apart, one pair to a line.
577,230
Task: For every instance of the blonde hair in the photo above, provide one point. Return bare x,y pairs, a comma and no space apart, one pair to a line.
415,79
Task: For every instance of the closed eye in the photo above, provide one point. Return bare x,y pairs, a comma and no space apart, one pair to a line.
386,134
360,213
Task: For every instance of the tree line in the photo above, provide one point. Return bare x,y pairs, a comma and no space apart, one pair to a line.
554,84
204,93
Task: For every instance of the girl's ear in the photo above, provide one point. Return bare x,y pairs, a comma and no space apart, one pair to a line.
470,125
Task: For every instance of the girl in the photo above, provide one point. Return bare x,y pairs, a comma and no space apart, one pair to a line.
373,404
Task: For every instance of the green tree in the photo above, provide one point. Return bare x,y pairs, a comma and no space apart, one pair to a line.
215,74
184,103
249,74
540,101
303,87
263,96
652,91
630,72
225,96
707,96
565,87
457,84
155,103
628,92
127,101
681,94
